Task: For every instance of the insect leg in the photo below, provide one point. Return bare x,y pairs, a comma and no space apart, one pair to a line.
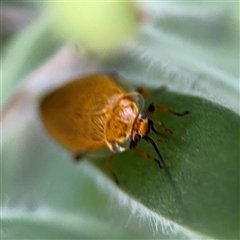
146,93
108,167
77,157
147,155
162,140
143,91
167,130
152,107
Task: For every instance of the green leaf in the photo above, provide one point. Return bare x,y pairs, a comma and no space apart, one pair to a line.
202,156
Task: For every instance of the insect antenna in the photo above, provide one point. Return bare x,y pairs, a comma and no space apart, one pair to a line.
160,161
162,164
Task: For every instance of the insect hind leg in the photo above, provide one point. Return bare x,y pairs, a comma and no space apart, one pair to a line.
78,157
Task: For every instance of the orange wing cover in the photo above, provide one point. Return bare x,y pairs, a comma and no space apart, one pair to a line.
75,114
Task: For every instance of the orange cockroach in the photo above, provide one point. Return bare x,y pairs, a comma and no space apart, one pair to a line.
95,112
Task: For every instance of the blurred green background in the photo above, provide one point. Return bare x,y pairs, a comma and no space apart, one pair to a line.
192,48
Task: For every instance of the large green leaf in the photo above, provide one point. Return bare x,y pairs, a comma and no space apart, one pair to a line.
46,195
202,157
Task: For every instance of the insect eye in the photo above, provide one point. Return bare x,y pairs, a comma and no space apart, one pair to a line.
137,137
144,115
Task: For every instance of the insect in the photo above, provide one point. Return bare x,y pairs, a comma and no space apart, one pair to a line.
95,112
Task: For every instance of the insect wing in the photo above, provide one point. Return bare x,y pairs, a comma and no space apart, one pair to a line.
75,113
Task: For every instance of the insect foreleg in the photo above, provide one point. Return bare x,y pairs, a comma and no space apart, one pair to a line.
152,107
147,155
167,130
